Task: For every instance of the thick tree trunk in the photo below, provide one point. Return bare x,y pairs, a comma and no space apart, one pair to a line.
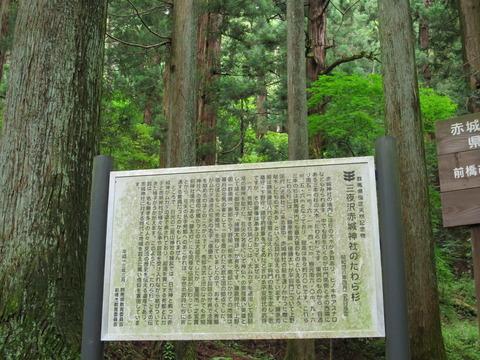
208,62
48,143
402,120
469,13
297,126
181,105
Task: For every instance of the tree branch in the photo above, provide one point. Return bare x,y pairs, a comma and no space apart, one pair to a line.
343,12
153,46
143,22
351,6
362,55
146,12
239,143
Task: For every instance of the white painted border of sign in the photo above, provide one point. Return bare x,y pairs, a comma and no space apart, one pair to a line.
368,161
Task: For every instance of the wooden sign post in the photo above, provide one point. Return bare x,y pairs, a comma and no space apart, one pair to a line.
458,144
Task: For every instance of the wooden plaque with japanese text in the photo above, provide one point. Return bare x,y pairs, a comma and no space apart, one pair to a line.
253,251
458,144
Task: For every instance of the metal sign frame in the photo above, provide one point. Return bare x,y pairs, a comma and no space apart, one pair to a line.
141,304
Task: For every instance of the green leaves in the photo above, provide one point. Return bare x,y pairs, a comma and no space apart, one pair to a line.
125,137
353,112
435,106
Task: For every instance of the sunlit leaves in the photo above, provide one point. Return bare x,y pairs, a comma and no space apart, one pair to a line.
354,112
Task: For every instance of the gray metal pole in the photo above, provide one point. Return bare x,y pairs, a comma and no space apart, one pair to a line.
391,238
92,346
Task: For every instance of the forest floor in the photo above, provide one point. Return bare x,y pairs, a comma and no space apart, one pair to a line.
357,349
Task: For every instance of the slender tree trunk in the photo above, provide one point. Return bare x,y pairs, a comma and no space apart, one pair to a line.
208,62
403,121
181,105
297,349
316,61
261,105
153,98
317,38
181,108
469,13
296,82
424,43
48,143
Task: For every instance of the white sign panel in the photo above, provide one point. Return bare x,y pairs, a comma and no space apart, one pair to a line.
269,250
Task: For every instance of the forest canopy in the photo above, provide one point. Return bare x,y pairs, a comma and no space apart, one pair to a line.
123,78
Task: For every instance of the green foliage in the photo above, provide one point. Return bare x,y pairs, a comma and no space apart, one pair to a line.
462,341
352,28
458,307
169,351
271,147
353,116
445,276
441,66
435,106
124,137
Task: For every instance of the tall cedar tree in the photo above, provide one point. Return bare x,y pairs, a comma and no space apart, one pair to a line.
469,13
48,143
316,60
208,62
181,105
403,121
180,87
297,349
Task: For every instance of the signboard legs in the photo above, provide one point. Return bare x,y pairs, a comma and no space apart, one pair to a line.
475,234
391,240
92,346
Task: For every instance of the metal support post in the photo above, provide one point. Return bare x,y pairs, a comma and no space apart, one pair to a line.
92,346
392,250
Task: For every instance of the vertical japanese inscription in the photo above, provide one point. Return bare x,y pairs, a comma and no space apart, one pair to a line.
245,253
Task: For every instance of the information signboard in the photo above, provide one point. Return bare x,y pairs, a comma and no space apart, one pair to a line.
270,250
458,144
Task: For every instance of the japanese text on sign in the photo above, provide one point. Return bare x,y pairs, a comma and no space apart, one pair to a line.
473,126
270,250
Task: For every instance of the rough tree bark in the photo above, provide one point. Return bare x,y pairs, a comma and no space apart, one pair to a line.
181,105
296,82
316,60
297,349
48,143
403,121
469,13
208,62
424,43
